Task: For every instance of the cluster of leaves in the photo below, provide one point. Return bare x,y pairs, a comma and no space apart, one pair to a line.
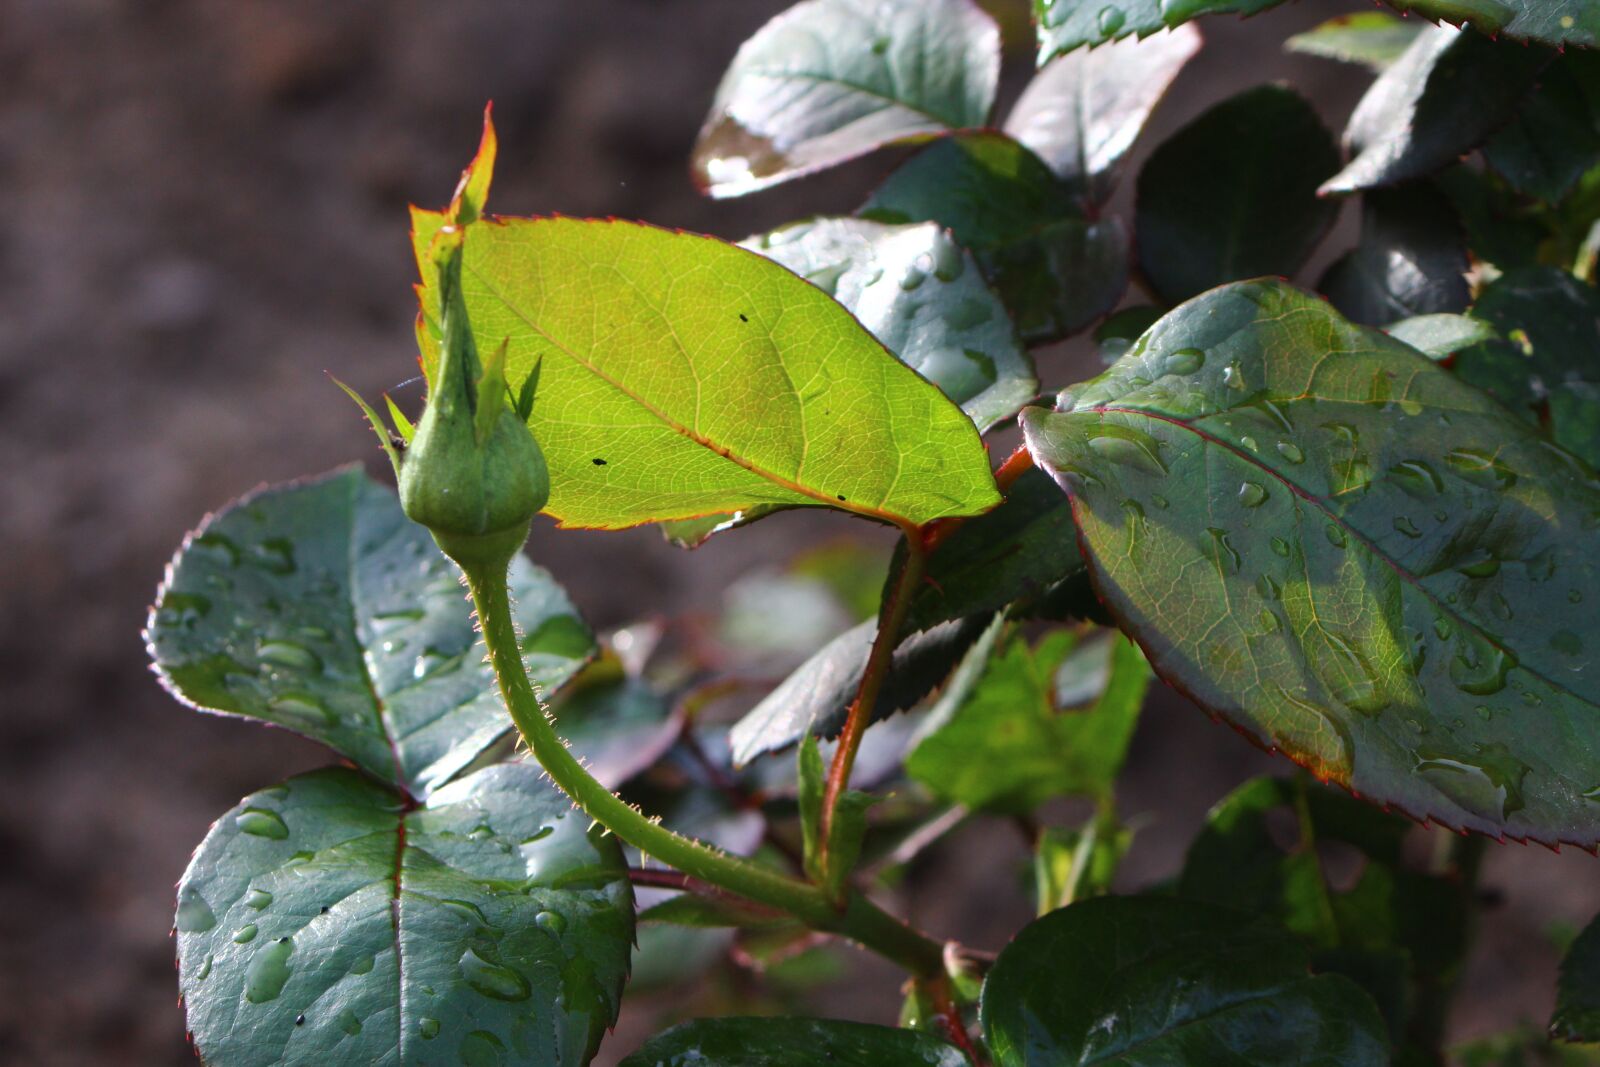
1358,526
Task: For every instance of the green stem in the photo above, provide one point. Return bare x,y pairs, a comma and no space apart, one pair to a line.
859,920
890,620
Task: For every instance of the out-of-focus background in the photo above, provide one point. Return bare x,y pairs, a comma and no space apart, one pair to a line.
204,210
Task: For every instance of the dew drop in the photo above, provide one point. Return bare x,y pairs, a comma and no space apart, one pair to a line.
493,980
948,263
1222,553
1268,622
1291,452
349,1023
258,899
1406,526
1252,495
1184,361
480,1048
1280,546
246,934
1336,535
268,972
1233,373
1479,564
1158,500
262,822
362,965
1130,448
1250,443
1563,641
274,554
1110,20
427,1029
914,276
194,914
1481,669
289,654
551,923
1268,588
305,707
1488,782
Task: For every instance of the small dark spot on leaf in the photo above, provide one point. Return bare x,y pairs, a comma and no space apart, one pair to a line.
841,496
743,317
325,909
299,1020
598,462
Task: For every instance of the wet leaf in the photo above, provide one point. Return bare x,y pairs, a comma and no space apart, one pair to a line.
1555,136
792,1042
1411,259
921,295
815,698
1547,364
1577,1015
829,80
325,921
1441,99
1233,194
1148,981
1375,39
652,381
320,607
1056,270
1068,24
1440,336
1082,112
1330,541
1001,743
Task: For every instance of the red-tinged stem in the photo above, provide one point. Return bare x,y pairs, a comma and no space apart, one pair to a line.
949,1014
890,620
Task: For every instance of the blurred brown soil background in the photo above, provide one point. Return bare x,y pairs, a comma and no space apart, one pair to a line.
205,209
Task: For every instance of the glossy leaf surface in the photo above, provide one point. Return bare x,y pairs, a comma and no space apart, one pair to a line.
684,377
1082,112
1003,743
1411,259
1442,98
320,607
792,1042
1375,39
1332,542
1234,194
1555,136
829,80
1155,981
1577,1015
1547,366
1438,336
815,698
323,921
1055,270
922,295
1068,24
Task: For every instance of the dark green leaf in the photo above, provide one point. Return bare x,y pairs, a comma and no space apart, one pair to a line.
1577,1015
1082,112
829,867
1333,543
923,297
1375,39
1495,219
1148,981
1523,1047
1068,24
1555,136
1411,259
1055,270
1234,194
644,412
829,80
318,606
1441,99
1401,934
1548,364
815,698
1018,551
1440,336
1001,743
325,921
780,1042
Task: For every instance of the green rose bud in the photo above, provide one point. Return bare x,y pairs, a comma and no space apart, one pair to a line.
473,474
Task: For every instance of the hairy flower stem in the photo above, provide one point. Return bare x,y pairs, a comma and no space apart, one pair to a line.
859,919
890,620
